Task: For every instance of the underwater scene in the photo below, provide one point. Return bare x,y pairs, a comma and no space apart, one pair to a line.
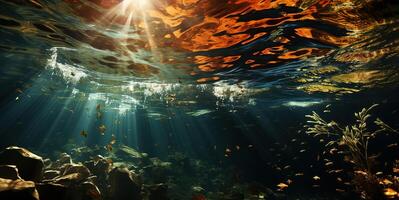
199,99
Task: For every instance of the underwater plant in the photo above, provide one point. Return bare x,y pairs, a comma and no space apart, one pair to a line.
355,139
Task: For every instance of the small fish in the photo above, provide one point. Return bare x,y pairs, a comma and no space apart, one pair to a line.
316,178
113,139
361,172
333,150
102,129
228,150
339,190
316,186
390,193
237,147
386,182
392,145
337,171
289,181
84,133
19,90
109,147
299,174
329,163
302,150
282,186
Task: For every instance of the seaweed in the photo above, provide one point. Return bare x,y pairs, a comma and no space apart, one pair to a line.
355,139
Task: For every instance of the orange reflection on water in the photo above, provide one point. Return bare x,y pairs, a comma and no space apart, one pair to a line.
194,26
207,79
297,53
209,64
325,37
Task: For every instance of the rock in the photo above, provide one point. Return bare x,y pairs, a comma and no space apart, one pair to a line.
91,191
158,171
51,191
9,172
68,180
158,192
234,196
29,165
124,185
50,174
75,168
84,191
98,166
47,163
64,159
18,189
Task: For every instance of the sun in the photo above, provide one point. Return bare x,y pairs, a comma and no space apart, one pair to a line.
129,6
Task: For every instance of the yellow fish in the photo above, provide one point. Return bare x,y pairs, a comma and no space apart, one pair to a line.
84,133
282,186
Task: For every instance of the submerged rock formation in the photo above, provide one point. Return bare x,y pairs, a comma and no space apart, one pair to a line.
124,184
9,172
29,165
124,175
158,192
18,190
